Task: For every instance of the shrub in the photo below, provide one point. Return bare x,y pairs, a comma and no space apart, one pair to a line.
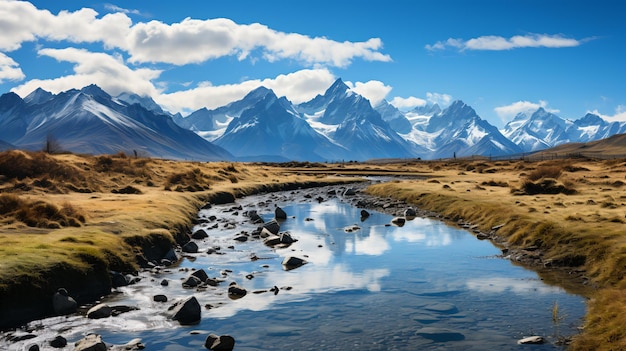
553,172
544,186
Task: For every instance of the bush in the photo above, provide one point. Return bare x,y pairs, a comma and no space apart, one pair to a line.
553,172
544,186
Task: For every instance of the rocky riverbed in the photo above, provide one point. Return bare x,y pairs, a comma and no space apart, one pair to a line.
174,291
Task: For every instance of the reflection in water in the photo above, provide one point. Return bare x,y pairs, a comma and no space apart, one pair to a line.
422,286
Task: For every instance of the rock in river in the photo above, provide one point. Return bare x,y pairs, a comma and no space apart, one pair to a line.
219,343
293,262
187,312
100,311
91,342
279,213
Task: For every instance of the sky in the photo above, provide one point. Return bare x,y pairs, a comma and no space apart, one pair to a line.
501,57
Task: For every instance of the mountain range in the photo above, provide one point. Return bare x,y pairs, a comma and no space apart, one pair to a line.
337,125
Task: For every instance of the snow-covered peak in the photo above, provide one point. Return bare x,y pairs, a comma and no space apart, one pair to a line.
38,96
145,101
95,92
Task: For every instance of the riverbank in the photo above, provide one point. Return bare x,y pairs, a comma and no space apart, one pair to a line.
67,220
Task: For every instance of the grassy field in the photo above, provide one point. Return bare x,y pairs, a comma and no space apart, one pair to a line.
75,214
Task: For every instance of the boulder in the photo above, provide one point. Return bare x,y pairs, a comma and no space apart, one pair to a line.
200,274
286,238
190,247
199,234
159,298
58,342
219,343
531,340
272,226
291,262
100,311
187,312
191,282
91,342
349,192
398,221
410,213
364,215
272,240
279,213
235,291
62,303
118,279
171,256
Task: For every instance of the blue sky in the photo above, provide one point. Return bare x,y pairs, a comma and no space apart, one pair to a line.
499,56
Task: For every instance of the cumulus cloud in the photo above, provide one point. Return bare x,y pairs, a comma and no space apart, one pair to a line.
189,41
298,87
407,103
373,90
509,111
80,26
618,116
439,99
9,69
115,8
107,71
498,43
193,41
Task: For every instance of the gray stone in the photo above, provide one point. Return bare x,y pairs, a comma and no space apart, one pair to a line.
235,291
91,342
293,262
279,213
63,304
159,298
398,221
349,192
199,234
219,343
190,247
187,312
100,311
410,213
58,342
531,340
272,226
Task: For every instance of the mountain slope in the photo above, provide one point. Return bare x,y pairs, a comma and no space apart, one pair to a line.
271,128
91,121
349,120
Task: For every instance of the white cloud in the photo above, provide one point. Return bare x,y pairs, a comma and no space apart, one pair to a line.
373,90
439,99
189,41
407,103
194,41
298,87
619,116
108,72
79,26
497,43
509,111
115,8
9,69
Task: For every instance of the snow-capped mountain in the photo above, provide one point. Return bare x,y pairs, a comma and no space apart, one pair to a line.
350,120
211,124
91,121
538,130
459,131
396,119
271,129
337,125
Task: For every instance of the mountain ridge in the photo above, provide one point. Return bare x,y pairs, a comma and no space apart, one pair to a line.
339,124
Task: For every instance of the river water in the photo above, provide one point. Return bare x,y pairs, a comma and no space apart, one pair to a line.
367,285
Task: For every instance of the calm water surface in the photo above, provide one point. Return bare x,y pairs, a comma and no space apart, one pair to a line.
423,286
